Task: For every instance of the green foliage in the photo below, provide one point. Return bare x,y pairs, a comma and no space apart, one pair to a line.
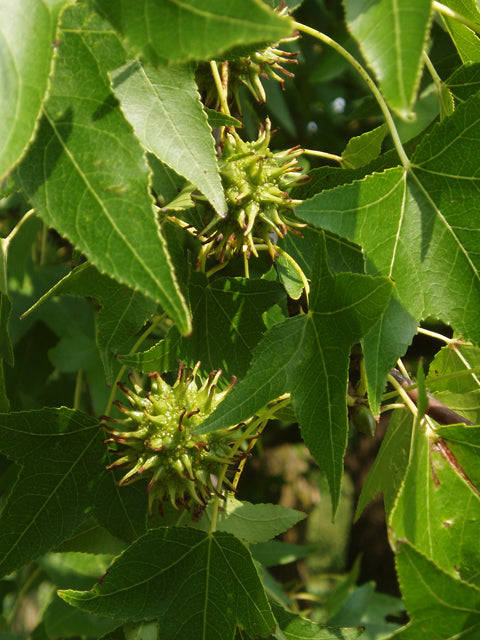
177,227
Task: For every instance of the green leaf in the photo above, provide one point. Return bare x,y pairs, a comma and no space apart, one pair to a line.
149,98
63,621
463,444
252,522
363,606
439,605
73,322
123,311
465,40
455,370
121,510
363,149
59,453
438,508
135,631
193,29
274,553
228,324
294,627
107,203
307,356
199,586
27,44
90,537
218,119
390,465
392,35
464,82
6,351
424,226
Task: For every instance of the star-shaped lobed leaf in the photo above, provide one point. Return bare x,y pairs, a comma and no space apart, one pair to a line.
59,452
307,356
198,585
420,227
228,324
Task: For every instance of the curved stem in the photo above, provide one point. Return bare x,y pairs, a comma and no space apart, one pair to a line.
78,389
216,502
219,85
403,394
432,71
450,13
133,350
323,154
368,80
255,426
23,591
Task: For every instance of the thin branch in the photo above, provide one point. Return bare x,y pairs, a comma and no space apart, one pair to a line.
435,409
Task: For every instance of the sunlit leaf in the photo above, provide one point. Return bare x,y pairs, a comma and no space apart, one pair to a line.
427,243
148,98
27,44
392,35
86,173
193,29
439,605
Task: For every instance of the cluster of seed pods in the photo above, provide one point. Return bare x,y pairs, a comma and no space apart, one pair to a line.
155,439
255,182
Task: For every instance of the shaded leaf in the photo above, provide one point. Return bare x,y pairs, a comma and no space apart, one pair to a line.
228,323
307,356
27,44
107,203
193,29
251,522
464,82
273,552
392,35
149,98
365,607
90,537
121,510
59,452
169,567
294,627
123,311
390,466
63,621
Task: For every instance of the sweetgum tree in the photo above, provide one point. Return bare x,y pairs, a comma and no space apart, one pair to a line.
186,272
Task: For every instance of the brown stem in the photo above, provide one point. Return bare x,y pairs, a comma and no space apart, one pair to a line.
435,409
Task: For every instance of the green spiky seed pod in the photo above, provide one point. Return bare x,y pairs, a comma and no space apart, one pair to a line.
247,70
266,63
154,440
255,182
